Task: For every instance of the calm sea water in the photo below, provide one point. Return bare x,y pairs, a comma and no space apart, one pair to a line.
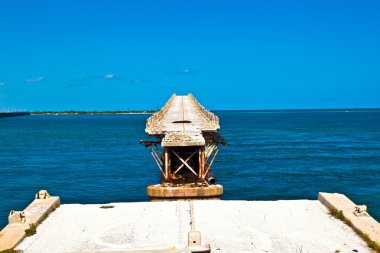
271,155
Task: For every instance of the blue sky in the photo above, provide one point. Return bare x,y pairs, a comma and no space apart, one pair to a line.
118,55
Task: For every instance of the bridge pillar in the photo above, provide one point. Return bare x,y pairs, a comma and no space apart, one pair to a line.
184,150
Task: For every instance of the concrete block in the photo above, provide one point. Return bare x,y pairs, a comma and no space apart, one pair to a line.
35,213
357,215
16,217
42,194
194,238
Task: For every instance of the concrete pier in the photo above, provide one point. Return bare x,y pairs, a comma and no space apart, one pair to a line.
221,226
191,226
185,147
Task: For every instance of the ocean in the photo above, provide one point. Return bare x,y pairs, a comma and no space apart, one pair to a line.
270,155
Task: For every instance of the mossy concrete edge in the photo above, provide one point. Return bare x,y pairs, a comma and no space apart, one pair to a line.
357,216
35,213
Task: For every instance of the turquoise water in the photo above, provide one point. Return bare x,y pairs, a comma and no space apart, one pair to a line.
270,155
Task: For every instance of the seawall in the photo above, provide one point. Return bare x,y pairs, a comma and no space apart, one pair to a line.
13,114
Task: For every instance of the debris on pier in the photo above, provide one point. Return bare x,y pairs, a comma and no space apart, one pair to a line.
185,147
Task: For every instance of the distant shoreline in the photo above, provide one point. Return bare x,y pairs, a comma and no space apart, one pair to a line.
13,114
90,112
216,111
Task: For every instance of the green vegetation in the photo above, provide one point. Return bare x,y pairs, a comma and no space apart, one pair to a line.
91,112
106,206
44,217
31,230
338,214
11,251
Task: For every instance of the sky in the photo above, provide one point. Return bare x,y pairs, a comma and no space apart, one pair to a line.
231,55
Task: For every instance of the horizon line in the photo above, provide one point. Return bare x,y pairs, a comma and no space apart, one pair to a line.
241,110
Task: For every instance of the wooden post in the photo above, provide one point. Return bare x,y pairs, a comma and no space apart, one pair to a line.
202,163
167,164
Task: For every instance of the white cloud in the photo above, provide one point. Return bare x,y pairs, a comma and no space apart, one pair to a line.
109,76
35,80
137,81
183,72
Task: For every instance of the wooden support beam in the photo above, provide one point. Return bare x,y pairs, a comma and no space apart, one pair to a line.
185,163
202,163
181,166
209,150
167,163
159,166
154,154
149,143
158,149
212,161
170,165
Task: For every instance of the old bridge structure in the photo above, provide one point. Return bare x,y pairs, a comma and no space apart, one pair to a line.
185,146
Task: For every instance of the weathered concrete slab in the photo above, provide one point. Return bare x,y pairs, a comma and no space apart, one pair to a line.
229,226
182,121
273,226
127,226
357,215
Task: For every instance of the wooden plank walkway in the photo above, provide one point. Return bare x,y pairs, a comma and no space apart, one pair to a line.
182,121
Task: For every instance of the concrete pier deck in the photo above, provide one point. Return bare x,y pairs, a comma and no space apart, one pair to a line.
228,226
182,121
